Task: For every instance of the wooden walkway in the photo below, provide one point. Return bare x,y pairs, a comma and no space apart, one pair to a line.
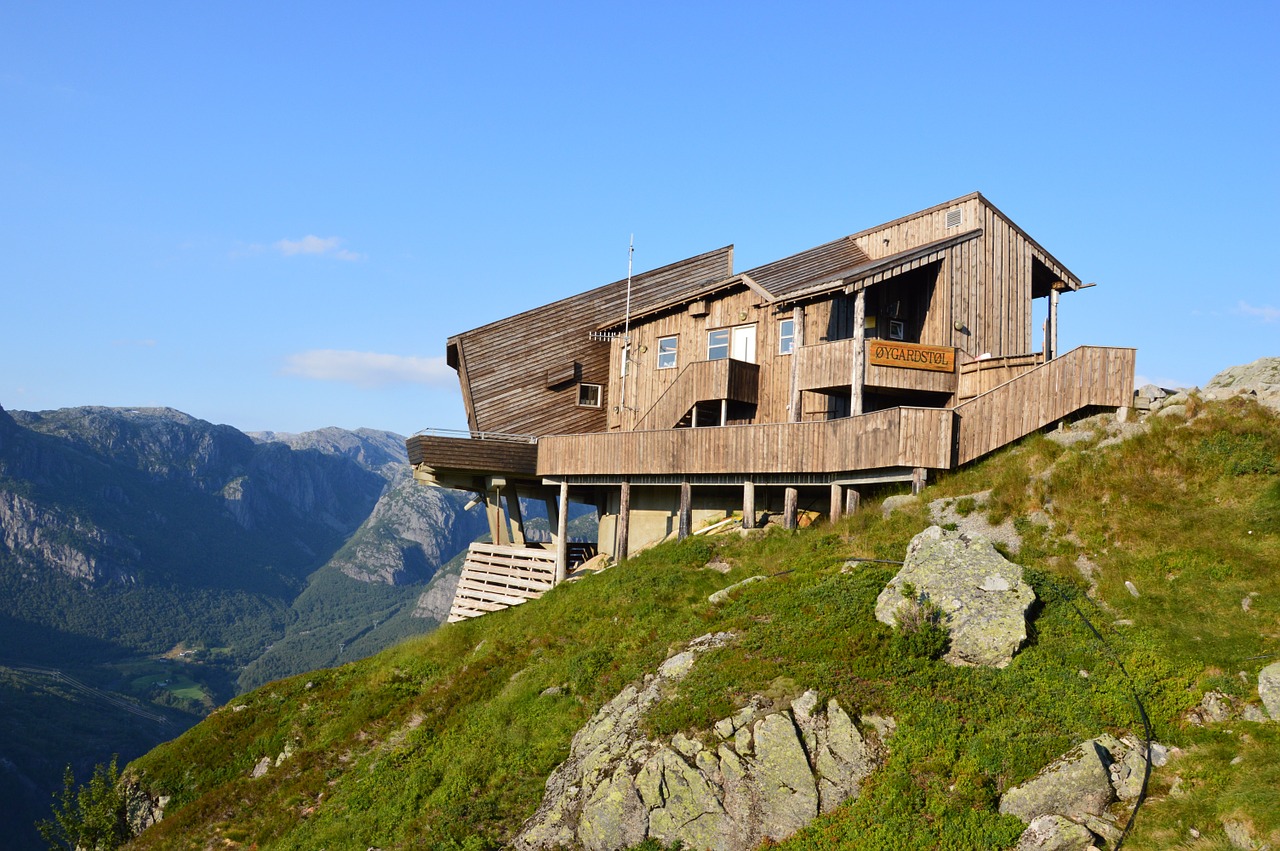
495,578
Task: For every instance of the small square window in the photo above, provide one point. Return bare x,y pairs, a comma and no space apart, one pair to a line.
786,336
667,352
718,344
589,395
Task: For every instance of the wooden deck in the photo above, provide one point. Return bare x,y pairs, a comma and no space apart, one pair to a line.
1083,377
898,437
495,578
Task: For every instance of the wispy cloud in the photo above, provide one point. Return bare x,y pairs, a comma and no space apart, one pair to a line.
1266,312
328,246
367,369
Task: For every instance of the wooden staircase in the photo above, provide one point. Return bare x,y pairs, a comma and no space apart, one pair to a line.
1083,377
495,578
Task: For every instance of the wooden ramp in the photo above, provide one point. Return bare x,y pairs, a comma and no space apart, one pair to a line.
495,578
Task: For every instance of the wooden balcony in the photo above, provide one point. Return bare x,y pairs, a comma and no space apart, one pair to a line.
826,366
703,381
899,437
979,376
460,461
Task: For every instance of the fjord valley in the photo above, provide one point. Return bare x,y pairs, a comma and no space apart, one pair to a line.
153,566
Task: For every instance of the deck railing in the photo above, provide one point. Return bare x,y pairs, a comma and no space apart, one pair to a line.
703,381
1089,375
898,437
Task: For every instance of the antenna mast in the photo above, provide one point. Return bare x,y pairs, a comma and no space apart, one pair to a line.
626,330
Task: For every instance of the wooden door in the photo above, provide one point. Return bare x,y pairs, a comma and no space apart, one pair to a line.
743,345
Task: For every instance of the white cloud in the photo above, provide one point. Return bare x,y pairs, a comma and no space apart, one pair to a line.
368,369
329,246
1266,312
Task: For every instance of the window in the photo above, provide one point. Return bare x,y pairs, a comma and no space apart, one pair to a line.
667,352
718,344
786,336
589,395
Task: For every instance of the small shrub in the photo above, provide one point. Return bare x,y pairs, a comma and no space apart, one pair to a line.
91,816
920,633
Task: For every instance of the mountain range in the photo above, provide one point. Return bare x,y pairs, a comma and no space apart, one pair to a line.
154,565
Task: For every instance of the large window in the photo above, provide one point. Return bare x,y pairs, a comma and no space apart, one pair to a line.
718,344
589,395
667,352
786,336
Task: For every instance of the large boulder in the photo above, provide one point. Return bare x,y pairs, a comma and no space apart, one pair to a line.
1075,785
981,594
761,774
1269,689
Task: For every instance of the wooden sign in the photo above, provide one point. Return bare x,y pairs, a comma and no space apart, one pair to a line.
911,356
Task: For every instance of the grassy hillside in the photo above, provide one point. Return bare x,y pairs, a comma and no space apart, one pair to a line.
445,741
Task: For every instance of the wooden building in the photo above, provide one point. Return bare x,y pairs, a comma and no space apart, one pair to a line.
694,392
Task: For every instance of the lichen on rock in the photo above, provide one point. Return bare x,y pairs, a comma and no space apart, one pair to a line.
768,770
981,594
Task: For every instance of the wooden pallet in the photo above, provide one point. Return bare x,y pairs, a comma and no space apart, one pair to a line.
495,578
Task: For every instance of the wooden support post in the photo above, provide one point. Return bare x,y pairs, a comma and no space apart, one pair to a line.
837,502
852,500
918,477
517,517
558,520
748,505
624,520
789,506
686,510
497,520
1051,338
797,319
859,352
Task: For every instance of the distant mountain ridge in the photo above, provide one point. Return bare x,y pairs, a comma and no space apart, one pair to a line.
175,561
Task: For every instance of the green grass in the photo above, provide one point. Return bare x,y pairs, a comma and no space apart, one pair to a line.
446,740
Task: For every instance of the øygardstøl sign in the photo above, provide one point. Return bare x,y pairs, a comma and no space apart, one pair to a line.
912,356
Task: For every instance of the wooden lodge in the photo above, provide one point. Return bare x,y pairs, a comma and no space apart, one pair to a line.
694,392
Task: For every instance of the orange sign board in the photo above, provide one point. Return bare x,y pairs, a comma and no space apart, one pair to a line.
912,356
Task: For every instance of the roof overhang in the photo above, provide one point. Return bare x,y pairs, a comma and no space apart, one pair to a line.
867,274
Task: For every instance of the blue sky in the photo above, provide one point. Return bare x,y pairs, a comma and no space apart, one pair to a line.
272,215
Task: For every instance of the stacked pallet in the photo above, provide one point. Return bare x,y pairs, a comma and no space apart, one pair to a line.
495,578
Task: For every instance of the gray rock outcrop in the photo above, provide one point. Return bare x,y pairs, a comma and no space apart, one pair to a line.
981,594
1269,689
1055,833
1260,379
760,774
1066,805
1076,784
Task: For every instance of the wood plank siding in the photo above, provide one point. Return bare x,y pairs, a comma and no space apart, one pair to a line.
1083,377
504,366
898,437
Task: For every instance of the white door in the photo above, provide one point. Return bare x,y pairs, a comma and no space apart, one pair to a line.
744,343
